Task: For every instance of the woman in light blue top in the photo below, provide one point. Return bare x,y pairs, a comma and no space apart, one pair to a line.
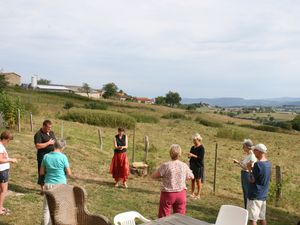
249,158
55,167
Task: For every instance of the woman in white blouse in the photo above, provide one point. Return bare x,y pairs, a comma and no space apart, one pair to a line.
250,157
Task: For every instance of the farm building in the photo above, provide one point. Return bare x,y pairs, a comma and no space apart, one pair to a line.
145,100
64,89
53,88
12,78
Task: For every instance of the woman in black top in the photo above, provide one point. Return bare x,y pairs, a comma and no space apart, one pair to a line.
196,156
119,166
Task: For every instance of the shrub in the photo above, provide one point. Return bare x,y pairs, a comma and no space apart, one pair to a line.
174,115
142,118
191,108
282,124
267,128
208,123
96,105
99,118
9,109
68,105
296,123
231,134
261,127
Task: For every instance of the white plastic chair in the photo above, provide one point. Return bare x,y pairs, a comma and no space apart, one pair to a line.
128,218
232,215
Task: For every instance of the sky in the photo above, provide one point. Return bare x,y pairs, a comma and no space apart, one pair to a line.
208,48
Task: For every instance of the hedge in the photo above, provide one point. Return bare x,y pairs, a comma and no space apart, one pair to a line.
100,118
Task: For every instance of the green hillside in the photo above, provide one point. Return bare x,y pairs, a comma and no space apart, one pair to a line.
91,165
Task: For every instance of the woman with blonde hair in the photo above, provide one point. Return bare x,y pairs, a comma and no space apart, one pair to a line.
174,174
196,156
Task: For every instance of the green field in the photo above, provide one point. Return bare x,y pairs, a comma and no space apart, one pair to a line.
91,165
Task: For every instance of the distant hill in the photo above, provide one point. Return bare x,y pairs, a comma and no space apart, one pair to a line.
231,102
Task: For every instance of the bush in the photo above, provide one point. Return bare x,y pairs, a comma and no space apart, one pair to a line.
141,118
282,124
208,123
296,123
267,128
191,108
100,118
261,127
68,105
231,134
96,105
174,115
9,109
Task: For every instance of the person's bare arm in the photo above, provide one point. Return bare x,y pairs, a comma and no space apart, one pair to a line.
44,145
68,172
245,167
116,145
6,160
156,175
191,155
42,171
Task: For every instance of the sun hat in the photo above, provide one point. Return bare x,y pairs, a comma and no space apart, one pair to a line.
260,147
248,143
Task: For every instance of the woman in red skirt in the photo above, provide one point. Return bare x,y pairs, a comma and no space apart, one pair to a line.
119,166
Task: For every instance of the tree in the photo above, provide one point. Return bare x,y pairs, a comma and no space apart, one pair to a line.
173,98
86,88
110,90
160,100
3,83
44,81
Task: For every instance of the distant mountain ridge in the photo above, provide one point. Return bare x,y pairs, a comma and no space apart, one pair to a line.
235,102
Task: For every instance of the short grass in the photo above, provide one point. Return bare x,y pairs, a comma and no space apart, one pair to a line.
91,166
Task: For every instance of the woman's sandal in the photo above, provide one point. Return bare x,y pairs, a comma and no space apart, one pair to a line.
197,197
192,195
6,210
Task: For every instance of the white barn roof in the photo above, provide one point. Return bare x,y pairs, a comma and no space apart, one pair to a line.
52,87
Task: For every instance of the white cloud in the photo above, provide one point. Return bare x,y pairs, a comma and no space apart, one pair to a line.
169,44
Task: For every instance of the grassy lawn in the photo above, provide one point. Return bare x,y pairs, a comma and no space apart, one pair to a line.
91,166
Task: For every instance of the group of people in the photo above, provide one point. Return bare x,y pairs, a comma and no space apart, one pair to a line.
174,173
255,176
53,169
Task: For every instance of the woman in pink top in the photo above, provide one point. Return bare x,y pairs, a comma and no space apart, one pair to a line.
174,174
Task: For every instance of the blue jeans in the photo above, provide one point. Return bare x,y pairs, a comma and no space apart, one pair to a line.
245,184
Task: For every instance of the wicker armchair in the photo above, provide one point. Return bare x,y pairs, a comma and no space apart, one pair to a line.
67,207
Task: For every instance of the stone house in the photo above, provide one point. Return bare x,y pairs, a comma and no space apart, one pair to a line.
12,78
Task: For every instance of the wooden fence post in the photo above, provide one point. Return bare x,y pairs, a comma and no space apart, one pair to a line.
19,120
146,141
100,139
215,169
133,144
278,183
31,123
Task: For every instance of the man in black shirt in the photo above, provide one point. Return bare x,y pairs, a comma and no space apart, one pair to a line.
44,142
